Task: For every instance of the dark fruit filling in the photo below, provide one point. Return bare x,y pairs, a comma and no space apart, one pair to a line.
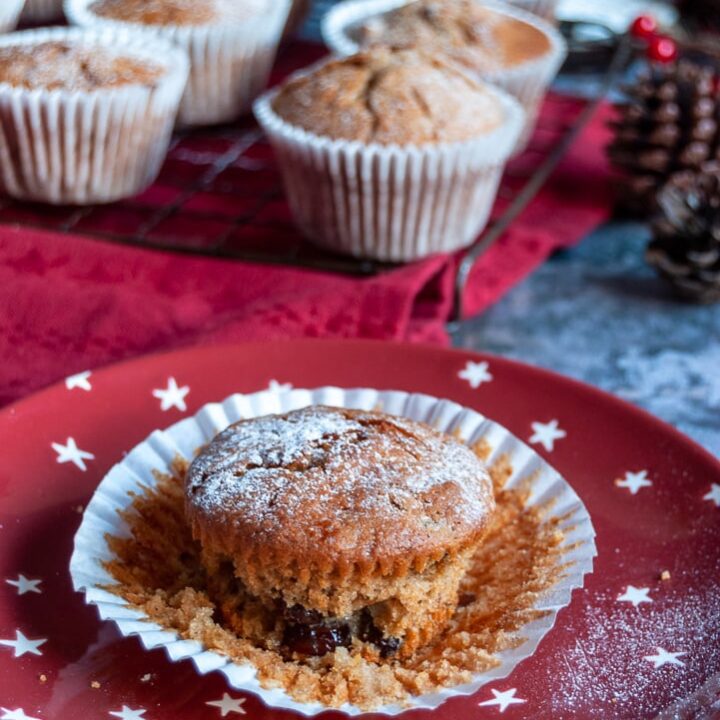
309,633
369,632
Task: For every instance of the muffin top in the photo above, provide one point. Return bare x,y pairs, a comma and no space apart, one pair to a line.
476,36
176,12
63,65
335,487
390,97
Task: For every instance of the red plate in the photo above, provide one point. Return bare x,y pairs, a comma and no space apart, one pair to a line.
628,646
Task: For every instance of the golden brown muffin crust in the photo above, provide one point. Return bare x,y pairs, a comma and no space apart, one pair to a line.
63,65
390,97
175,12
336,488
478,37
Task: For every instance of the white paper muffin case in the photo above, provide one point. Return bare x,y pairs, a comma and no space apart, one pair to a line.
229,62
391,202
528,82
139,466
36,11
544,8
9,14
80,147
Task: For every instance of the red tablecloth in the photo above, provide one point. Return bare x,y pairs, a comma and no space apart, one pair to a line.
68,303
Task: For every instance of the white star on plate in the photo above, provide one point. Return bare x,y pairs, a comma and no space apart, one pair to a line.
546,434
276,386
503,699
228,705
714,494
172,396
81,380
476,373
664,657
634,481
128,714
70,452
16,714
24,585
22,645
635,595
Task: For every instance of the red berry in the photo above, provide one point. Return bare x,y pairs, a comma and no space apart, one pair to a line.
662,49
644,27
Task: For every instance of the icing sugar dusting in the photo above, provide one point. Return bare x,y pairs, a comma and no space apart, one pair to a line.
338,466
604,672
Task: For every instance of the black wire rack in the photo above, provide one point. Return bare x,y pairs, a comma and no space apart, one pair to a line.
220,194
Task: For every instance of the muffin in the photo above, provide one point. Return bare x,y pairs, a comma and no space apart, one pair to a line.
231,44
9,13
40,11
329,527
513,49
390,154
108,103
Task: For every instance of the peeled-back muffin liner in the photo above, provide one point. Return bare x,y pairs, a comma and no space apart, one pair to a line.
140,466
528,82
230,62
9,14
36,11
78,147
391,202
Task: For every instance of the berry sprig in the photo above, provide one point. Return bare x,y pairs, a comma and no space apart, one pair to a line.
659,48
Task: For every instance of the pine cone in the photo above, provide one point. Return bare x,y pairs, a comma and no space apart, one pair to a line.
670,123
686,245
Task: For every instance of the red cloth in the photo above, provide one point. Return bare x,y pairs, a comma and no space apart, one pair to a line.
69,303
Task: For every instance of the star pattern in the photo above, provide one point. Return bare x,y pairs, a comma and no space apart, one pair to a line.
172,396
228,705
476,373
664,657
503,700
714,494
546,434
23,645
128,714
25,585
16,714
70,452
81,381
276,386
635,595
634,481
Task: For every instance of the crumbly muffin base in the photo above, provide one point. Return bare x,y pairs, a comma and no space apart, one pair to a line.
410,615
158,570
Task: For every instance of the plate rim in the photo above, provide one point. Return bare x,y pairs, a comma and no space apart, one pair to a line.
11,411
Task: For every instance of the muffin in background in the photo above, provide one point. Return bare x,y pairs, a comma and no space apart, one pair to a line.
41,11
231,45
390,154
9,14
108,103
515,50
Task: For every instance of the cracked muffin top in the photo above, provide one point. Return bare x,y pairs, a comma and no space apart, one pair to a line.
390,97
477,37
322,487
56,65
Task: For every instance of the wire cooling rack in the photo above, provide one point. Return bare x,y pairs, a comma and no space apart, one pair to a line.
220,194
